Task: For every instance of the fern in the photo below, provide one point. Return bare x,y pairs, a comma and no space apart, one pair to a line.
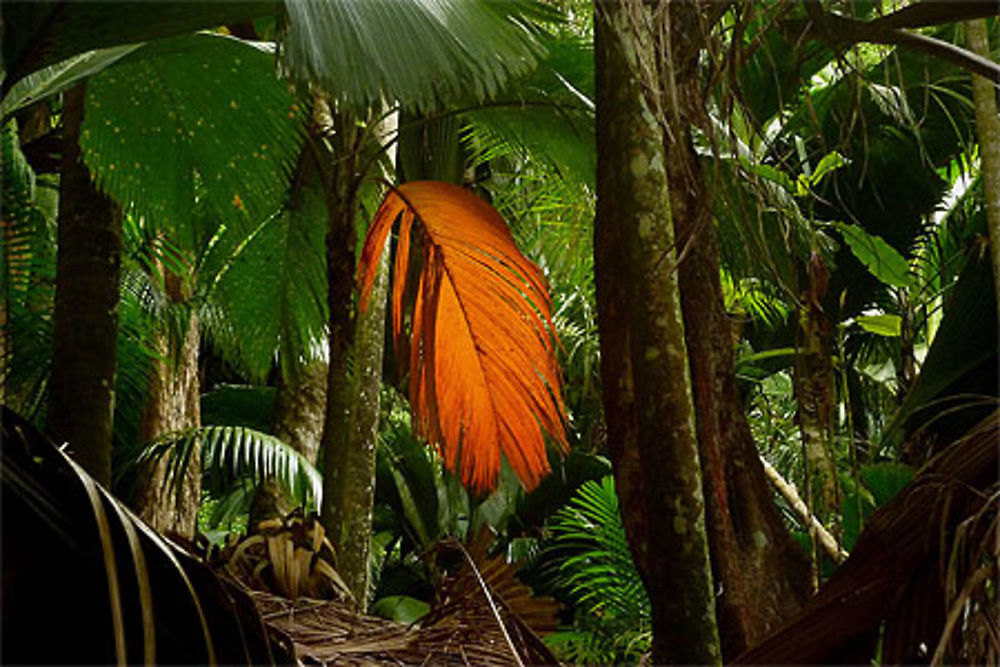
588,562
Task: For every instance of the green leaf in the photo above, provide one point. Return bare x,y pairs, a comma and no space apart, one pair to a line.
56,78
886,480
198,115
883,325
417,52
229,452
401,608
828,163
67,29
880,258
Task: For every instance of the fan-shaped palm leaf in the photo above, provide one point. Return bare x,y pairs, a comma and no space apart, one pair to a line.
199,115
483,376
419,51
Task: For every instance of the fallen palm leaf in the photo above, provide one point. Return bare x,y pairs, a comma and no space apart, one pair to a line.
483,375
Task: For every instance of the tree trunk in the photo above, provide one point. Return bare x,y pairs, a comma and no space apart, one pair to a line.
815,393
355,490
984,95
85,315
647,390
761,574
341,195
299,409
174,394
351,424
298,422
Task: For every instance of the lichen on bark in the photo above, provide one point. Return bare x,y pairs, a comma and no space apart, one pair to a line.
652,431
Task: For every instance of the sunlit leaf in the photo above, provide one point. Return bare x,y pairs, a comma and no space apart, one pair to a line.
883,325
483,375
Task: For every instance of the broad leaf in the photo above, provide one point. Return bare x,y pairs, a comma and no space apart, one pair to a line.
884,262
883,325
39,34
57,78
418,51
483,375
202,114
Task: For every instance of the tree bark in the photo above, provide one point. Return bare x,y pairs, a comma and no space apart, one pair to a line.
761,574
645,374
85,315
352,414
341,196
984,95
174,395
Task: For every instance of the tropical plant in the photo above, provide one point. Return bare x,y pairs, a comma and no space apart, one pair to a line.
481,362
586,560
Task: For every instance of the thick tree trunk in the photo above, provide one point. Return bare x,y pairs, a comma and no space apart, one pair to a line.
761,574
299,409
647,390
173,405
85,316
984,95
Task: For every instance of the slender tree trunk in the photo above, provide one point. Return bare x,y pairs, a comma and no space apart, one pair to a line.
352,402
984,94
341,194
760,573
173,405
642,339
815,393
355,491
85,315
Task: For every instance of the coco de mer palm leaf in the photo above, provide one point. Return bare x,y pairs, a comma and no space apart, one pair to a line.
483,373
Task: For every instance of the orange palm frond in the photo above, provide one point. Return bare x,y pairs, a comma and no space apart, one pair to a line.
483,374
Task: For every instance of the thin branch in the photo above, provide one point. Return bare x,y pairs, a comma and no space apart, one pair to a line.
791,496
838,31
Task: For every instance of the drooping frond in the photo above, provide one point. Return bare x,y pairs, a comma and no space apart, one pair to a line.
235,451
483,376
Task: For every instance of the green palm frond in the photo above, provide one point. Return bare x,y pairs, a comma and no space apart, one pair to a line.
588,560
40,34
230,453
548,114
193,125
418,52
56,78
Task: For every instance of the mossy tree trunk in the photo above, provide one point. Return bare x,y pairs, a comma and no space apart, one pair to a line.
647,389
299,409
171,505
85,315
352,409
984,93
761,574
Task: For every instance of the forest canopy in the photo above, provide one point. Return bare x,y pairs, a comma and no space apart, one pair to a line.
500,332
